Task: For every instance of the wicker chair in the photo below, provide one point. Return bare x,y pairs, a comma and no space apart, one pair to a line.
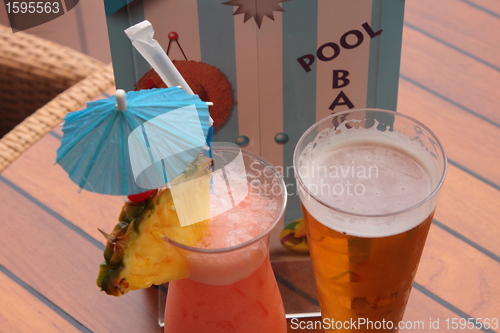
40,81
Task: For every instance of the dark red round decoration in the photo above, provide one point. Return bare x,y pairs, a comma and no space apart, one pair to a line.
173,35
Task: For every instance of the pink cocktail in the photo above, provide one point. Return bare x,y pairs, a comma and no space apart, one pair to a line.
232,287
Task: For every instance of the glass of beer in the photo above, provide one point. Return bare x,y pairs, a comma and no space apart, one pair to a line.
368,182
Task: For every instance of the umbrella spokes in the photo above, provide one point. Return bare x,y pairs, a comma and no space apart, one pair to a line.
98,148
80,125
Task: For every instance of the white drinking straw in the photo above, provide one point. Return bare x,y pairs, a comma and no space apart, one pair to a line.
141,36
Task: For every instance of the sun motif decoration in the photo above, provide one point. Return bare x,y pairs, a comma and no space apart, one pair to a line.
256,9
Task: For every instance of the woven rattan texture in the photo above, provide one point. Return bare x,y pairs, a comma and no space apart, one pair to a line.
51,114
33,71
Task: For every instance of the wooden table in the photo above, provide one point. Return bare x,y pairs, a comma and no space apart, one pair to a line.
450,79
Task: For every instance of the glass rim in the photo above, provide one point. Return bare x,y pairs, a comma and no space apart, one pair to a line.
266,232
399,212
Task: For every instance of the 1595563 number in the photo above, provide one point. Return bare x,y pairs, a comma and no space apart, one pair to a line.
32,7
471,323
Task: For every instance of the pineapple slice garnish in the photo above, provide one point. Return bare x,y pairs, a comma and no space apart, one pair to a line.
137,255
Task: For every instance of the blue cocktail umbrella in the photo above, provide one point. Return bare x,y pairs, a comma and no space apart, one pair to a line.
152,139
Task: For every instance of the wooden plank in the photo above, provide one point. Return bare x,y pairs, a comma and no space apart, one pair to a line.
49,184
467,139
296,284
450,74
492,6
63,266
463,26
459,274
423,314
22,312
470,207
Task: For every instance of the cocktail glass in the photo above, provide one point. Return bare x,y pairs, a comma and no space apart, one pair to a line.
233,288
368,182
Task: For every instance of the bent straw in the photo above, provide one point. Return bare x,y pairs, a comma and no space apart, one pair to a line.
141,36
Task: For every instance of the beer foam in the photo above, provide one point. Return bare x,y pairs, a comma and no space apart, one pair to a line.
366,173
368,179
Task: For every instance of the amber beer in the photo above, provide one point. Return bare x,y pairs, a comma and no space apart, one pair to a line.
368,187
367,279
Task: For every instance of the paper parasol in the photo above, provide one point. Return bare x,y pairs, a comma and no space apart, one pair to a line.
154,138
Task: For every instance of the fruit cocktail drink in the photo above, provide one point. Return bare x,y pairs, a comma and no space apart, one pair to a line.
368,183
231,286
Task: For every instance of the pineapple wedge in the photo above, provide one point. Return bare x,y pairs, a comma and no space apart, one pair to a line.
136,255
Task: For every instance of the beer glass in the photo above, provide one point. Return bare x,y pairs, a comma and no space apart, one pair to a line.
368,182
